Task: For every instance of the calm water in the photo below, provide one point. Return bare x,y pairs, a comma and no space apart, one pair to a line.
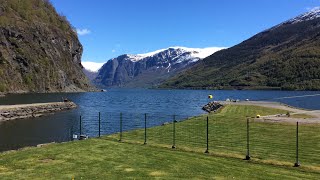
160,105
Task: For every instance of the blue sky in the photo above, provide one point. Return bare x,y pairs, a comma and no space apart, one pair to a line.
113,27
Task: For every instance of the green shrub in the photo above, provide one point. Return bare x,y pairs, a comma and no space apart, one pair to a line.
3,87
28,79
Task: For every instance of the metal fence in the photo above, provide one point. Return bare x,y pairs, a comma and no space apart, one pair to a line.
274,143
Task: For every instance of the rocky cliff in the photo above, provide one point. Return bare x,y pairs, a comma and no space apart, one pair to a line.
39,50
148,70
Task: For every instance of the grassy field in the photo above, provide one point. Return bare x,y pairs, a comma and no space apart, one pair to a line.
270,143
301,116
106,158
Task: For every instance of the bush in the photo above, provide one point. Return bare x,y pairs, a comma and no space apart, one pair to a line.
288,114
3,87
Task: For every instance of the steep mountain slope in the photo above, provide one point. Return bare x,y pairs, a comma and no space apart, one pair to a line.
39,50
286,56
91,75
147,70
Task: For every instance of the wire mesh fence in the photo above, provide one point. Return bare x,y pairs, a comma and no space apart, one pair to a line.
273,141
247,138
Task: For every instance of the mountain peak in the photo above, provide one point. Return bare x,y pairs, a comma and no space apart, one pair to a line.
312,14
149,69
174,51
195,52
133,57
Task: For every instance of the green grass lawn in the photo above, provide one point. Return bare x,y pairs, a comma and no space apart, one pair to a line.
301,116
104,158
270,143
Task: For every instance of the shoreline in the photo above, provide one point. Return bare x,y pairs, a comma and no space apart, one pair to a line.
257,88
49,108
281,118
22,111
53,92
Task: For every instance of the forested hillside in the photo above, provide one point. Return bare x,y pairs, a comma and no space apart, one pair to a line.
286,56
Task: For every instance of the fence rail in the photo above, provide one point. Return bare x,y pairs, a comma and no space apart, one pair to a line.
270,142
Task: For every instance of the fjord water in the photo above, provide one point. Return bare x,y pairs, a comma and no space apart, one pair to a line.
160,105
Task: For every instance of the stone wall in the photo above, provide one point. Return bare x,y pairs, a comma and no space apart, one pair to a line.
11,112
212,106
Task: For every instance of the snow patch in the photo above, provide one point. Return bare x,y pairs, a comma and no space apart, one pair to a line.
182,54
200,53
311,15
149,54
169,67
135,58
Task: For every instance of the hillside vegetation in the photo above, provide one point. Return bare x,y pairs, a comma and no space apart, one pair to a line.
39,50
284,57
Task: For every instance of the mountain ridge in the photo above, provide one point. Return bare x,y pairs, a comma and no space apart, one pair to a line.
149,69
285,56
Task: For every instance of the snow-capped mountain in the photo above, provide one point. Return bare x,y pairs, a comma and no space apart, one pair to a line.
195,52
286,56
308,16
149,69
313,14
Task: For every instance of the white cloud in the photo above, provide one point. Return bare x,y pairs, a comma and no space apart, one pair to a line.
82,32
113,51
92,66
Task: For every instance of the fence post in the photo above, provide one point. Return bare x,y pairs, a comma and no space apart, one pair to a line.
71,133
174,132
145,128
297,163
120,127
80,128
248,141
99,124
207,150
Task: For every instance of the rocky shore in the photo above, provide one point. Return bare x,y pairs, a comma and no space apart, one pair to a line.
11,112
212,106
